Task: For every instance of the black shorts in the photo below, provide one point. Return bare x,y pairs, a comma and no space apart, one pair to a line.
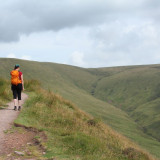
17,90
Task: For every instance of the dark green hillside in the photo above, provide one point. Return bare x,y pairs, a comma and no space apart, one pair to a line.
136,91
91,89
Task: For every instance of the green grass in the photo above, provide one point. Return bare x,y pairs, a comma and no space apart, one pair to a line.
137,92
5,93
72,134
116,95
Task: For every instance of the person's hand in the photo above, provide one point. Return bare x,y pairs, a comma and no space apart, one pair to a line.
23,89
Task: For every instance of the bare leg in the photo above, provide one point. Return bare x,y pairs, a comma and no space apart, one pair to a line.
19,102
15,100
15,108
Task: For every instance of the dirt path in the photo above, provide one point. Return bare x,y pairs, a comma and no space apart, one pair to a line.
7,116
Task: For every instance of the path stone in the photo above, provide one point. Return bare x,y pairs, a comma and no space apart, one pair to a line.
19,153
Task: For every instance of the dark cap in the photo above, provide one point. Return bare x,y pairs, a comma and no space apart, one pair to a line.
16,66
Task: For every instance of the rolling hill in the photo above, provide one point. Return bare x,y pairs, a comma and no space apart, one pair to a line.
62,131
135,90
126,98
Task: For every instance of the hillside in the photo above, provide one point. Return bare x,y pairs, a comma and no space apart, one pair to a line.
98,91
70,133
135,90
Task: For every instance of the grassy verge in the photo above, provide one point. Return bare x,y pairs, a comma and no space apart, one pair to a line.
5,92
72,134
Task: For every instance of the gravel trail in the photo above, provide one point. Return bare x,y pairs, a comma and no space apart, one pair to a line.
7,117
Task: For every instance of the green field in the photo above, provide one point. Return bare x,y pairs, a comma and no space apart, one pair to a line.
125,98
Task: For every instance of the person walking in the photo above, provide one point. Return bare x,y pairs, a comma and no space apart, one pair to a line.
17,85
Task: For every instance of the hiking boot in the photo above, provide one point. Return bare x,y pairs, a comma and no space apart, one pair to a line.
19,108
15,108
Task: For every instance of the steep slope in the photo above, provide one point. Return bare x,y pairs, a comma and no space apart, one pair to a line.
79,85
136,91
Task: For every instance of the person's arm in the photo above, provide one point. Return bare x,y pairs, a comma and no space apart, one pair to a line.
22,81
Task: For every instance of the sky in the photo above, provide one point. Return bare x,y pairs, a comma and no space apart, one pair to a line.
85,33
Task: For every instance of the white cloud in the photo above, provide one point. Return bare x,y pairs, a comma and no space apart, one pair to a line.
11,55
119,43
77,58
26,57
97,33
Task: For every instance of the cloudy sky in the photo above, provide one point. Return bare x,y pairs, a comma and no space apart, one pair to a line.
86,33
